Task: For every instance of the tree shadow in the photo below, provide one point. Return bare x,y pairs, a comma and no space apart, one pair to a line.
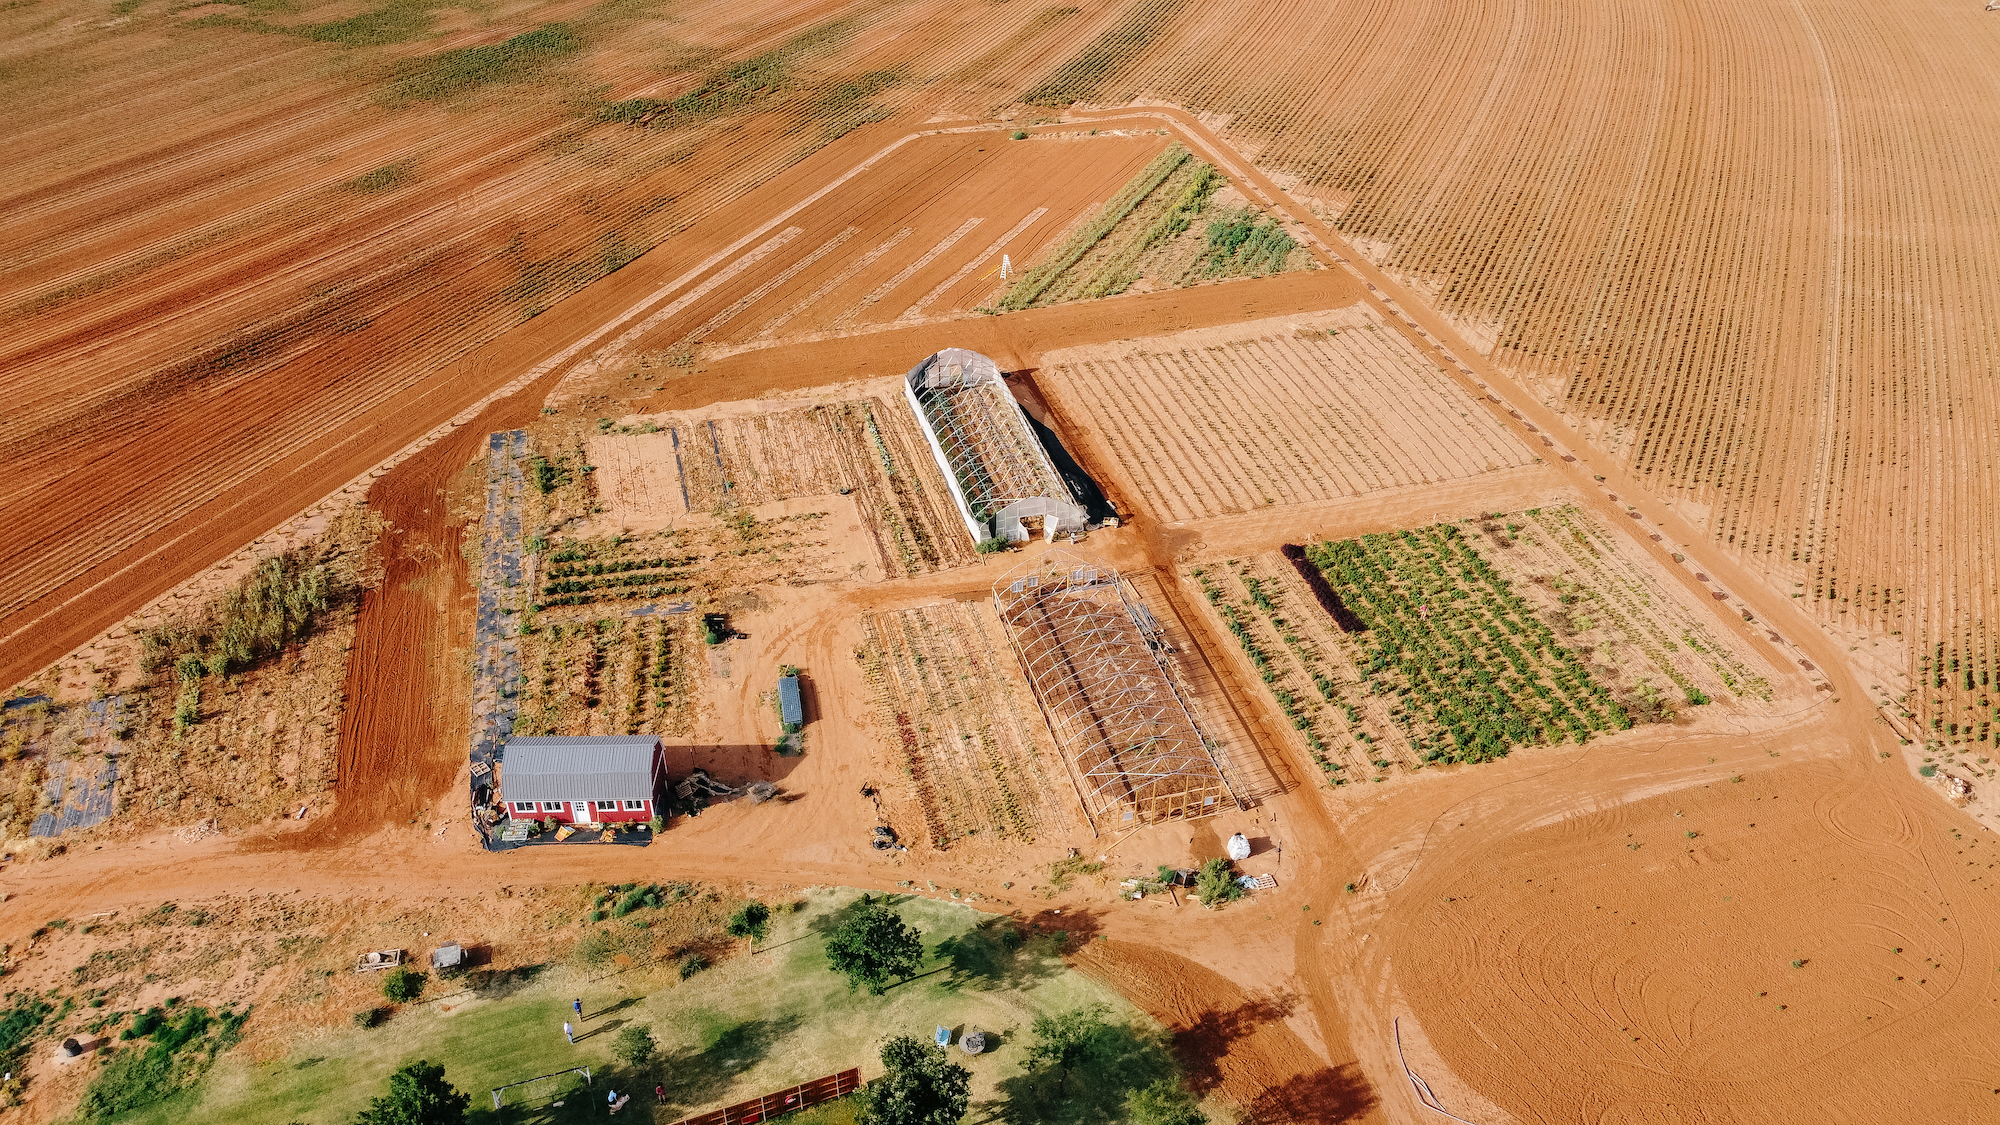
826,924
613,1009
703,1075
1201,1045
1002,953
499,984
1323,1097
1117,1060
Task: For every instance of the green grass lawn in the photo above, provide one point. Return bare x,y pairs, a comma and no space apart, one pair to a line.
753,1024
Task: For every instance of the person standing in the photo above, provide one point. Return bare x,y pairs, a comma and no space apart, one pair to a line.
660,1093
569,1032
578,1005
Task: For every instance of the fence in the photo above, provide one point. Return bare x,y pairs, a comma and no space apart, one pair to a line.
784,1101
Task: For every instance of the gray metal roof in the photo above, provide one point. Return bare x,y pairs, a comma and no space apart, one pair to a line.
579,768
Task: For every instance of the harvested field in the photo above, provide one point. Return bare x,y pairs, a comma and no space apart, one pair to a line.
971,741
1229,420
919,234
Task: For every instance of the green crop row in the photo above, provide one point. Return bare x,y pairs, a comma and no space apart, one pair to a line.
1036,281
1472,670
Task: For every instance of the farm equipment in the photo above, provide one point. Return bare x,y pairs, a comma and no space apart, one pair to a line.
375,960
885,838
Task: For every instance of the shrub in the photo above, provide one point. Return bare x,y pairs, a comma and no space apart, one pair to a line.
750,920
692,964
1018,135
634,1046
1216,884
991,546
404,985
368,1017
1928,771
596,950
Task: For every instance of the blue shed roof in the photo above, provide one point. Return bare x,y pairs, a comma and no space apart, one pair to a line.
790,709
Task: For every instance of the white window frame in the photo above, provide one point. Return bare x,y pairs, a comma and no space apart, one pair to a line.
524,808
635,806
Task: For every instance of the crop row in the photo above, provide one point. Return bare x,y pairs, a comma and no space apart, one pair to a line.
616,566
1477,672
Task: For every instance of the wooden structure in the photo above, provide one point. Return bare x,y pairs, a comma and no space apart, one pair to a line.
1096,658
773,1106
376,960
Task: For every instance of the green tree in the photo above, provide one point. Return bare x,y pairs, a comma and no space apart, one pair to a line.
873,945
418,1095
1064,1039
921,1087
1165,1102
634,1046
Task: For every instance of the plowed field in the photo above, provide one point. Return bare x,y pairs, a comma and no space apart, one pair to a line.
1234,419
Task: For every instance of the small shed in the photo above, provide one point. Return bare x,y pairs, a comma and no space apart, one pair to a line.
791,707
586,779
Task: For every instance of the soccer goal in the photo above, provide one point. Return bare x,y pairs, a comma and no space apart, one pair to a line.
548,1089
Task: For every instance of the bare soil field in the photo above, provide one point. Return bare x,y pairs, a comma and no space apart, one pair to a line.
1227,420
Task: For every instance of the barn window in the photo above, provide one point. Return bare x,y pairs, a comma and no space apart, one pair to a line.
524,806
634,806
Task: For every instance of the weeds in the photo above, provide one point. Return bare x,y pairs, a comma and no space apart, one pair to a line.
272,607
388,177
450,73
181,1051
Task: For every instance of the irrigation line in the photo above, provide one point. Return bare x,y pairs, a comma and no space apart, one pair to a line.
1422,1088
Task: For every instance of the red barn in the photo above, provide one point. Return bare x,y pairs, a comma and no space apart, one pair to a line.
585,779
